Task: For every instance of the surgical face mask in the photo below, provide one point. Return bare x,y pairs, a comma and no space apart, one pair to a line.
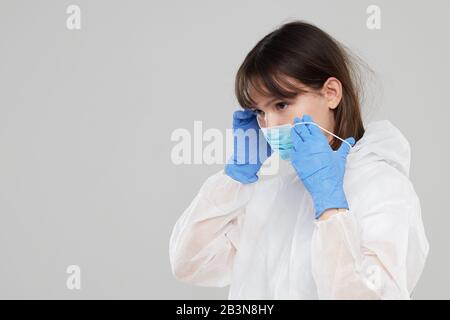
279,138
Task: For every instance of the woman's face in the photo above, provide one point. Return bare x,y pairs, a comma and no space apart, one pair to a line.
272,111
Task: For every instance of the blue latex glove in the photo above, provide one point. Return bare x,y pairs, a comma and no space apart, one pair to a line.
319,167
246,162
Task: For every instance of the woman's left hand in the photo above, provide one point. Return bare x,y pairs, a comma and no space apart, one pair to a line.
319,167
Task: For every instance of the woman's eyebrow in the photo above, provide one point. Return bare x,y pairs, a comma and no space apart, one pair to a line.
271,100
268,102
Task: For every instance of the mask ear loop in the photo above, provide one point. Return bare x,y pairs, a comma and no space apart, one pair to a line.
325,131
265,120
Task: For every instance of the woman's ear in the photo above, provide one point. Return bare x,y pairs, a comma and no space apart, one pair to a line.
332,91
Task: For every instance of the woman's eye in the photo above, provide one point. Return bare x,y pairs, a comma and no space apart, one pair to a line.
282,105
258,112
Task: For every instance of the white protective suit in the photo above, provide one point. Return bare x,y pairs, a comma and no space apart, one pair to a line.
263,241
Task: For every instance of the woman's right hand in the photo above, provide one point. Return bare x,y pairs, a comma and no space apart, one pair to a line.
250,148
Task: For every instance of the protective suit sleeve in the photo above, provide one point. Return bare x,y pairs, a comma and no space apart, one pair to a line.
205,237
378,254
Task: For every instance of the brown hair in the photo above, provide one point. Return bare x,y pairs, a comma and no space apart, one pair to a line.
306,53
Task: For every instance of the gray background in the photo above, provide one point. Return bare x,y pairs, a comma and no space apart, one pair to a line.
86,118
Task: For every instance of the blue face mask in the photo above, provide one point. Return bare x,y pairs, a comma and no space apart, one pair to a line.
279,139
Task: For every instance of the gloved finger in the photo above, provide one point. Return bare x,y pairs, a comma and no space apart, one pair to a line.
315,130
305,125
296,126
244,114
241,117
304,131
295,137
298,145
345,148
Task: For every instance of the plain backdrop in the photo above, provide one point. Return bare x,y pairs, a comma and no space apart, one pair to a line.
86,118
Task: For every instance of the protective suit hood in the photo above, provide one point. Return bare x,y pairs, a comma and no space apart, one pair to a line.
382,141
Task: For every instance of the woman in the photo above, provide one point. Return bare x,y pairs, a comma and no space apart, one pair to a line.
340,220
